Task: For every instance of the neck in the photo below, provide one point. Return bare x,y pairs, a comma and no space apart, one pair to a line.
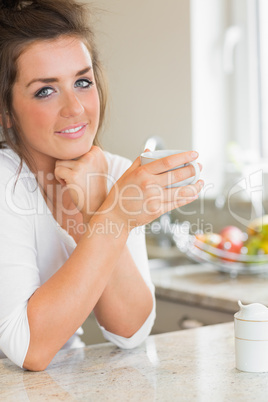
55,194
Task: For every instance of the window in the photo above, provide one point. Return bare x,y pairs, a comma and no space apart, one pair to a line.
262,18
230,90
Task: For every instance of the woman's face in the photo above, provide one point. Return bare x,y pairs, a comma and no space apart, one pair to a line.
55,99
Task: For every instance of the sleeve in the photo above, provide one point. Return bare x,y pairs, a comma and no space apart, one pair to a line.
19,275
137,247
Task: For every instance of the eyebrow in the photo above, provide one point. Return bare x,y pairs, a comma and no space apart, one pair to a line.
50,80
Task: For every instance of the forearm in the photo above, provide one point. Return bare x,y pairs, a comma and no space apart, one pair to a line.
126,301
62,304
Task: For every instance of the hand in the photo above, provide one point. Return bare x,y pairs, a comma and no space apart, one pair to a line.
86,179
140,195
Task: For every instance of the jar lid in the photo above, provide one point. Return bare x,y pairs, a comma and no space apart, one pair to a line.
252,312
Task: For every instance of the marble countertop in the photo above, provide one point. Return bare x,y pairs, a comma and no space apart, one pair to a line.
200,284
193,365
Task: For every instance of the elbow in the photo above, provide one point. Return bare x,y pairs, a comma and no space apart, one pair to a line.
134,341
128,345
34,362
35,365
140,335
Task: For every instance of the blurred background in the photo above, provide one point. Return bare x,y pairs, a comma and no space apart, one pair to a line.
193,73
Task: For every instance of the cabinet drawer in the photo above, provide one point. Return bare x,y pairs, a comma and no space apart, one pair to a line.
92,333
172,316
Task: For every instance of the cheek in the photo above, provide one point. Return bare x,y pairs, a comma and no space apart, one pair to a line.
94,104
31,116
41,117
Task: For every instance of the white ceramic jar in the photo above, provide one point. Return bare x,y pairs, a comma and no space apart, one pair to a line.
251,337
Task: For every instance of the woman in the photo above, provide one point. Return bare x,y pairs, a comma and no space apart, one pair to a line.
70,213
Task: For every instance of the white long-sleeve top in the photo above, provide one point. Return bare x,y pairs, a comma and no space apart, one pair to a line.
33,247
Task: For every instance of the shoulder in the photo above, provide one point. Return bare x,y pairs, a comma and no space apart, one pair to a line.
117,164
12,183
9,157
10,161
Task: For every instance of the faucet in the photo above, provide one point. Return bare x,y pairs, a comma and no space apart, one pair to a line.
154,143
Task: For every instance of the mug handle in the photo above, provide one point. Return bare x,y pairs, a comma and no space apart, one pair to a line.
197,171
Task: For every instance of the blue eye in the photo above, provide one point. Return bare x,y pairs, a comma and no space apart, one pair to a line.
83,83
44,92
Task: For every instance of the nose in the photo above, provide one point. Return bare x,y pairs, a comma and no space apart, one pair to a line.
71,106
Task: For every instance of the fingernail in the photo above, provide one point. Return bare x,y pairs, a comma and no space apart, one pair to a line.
194,154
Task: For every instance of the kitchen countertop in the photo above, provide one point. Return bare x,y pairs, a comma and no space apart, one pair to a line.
192,365
201,285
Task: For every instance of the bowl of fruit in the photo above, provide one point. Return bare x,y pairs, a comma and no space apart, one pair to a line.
232,250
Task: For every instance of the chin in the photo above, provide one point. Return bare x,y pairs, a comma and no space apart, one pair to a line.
75,154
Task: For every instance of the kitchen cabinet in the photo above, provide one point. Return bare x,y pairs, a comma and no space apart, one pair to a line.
92,333
197,294
175,316
170,316
192,295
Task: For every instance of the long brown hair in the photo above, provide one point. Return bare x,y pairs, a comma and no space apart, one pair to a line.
23,22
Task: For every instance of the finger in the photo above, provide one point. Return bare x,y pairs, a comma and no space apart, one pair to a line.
175,193
70,164
135,165
161,200
175,176
62,174
180,193
62,182
170,162
169,206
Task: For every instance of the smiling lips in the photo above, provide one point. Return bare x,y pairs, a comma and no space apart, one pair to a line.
73,132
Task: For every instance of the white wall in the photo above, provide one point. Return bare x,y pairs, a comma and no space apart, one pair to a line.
145,47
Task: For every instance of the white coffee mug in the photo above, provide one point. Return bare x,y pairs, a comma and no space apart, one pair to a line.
150,156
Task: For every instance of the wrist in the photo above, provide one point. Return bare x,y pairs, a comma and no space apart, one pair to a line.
109,223
91,210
